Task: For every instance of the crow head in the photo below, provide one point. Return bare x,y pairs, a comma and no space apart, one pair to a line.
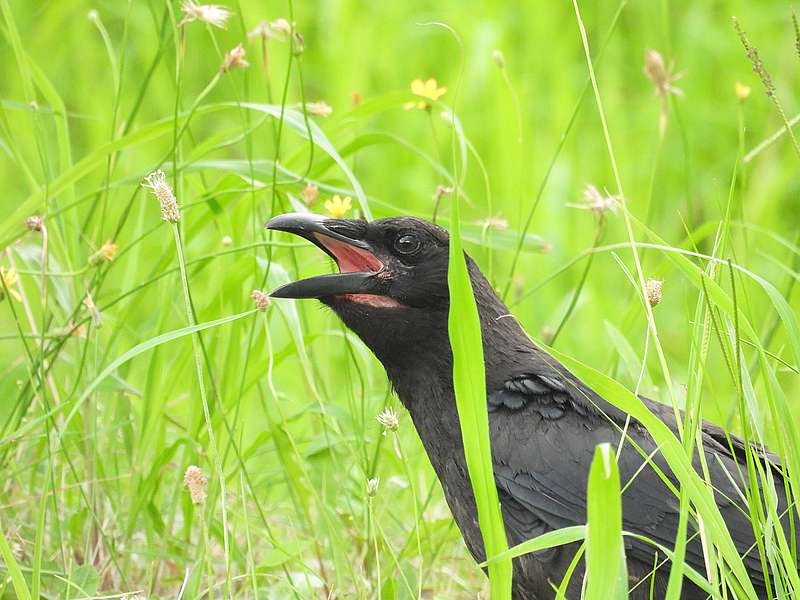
392,285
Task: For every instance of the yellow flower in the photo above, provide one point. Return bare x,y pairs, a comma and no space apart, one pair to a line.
109,250
742,91
427,89
106,253
337,207
10,279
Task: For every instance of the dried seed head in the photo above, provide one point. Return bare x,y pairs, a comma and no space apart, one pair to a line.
372,486
796,26
157,183
212,14
389,419
281,26
653,289
18,550
235,59
742,91
655,67
661,75
261,30
319,108
442,190
196,482
34,223
279,29
547,334
755,59
499,59
596,202
97,318
309,194
497,223
261,299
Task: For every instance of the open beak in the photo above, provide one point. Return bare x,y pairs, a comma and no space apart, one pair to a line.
358,265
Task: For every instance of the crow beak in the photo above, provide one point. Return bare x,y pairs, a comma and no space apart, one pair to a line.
358,265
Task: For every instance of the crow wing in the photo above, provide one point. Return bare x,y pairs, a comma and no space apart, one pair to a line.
542,470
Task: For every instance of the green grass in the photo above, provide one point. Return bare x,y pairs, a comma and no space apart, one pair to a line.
103,409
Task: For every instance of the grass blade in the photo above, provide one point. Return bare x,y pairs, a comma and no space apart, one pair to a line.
469,383
14,571
606,571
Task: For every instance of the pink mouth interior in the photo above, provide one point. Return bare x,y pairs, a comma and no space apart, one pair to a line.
351,259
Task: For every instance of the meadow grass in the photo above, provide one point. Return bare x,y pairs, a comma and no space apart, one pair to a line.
131,349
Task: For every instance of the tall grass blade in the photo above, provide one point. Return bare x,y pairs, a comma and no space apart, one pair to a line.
469,382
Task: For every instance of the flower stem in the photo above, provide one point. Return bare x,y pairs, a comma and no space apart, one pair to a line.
198,361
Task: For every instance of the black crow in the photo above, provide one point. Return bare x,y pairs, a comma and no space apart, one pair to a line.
544,423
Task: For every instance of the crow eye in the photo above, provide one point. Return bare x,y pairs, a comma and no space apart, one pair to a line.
407,244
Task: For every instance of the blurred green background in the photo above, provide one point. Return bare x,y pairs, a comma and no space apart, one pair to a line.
92,498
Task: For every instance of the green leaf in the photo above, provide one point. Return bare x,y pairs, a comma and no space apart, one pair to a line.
469,383
605,553
672,449
17,579
85,579
119,361
294,119
551,539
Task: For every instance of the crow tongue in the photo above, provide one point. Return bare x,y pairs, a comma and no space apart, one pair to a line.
350,259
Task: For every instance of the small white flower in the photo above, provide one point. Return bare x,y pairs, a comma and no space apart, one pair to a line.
497,223
319,109
281,26
372,486
213,14
389,419
596,202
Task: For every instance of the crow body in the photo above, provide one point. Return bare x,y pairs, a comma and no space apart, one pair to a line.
544,422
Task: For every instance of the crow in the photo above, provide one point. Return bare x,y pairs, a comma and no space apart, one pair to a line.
544,423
